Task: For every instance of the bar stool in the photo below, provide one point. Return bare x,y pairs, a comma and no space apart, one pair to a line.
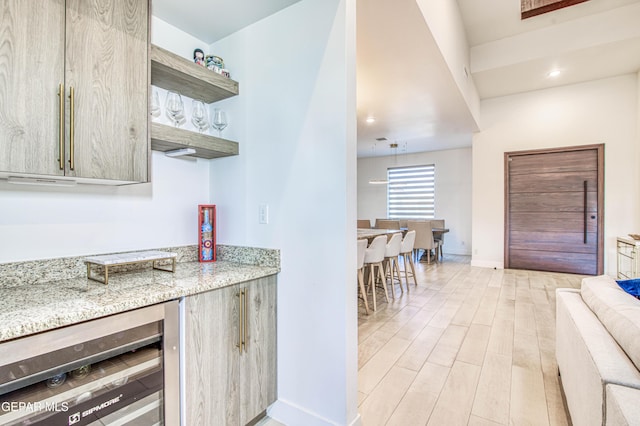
373,257
406,251
362,248
391,253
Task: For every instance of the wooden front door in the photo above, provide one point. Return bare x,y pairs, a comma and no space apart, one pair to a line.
554,210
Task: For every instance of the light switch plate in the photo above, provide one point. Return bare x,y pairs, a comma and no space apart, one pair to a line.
263,213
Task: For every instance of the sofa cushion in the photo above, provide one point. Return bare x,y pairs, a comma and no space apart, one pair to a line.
617,310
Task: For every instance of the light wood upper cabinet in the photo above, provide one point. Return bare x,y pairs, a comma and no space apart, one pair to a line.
226,384
31,70
107,66
97,49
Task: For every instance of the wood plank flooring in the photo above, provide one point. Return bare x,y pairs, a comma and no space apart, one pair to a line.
467,346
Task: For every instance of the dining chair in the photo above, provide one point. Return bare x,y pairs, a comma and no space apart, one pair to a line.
424,238
387,224
392,251
373,257
362,248
406,251
439,236
364,223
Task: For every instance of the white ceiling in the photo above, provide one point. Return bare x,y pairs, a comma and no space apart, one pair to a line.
403,80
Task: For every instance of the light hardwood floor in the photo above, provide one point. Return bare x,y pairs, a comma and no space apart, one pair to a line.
467,346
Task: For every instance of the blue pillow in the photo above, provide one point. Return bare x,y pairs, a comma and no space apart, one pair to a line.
630,286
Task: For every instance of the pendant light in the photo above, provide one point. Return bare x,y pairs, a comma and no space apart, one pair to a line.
394,147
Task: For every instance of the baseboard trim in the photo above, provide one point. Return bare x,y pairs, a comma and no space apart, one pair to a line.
487,264
288,413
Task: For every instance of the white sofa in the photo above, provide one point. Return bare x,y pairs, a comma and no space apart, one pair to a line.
598,352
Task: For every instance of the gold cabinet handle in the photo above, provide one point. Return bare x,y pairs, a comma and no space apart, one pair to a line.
239,345
61,126
244,326
72,128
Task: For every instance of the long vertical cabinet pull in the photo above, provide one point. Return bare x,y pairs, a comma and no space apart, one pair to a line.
586,213
244,328
61,128
71,128
240,318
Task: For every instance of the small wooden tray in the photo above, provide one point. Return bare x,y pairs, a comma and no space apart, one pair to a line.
109,260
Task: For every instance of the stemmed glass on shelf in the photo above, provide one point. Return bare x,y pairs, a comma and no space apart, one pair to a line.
155,104
175,108
219,120
199,116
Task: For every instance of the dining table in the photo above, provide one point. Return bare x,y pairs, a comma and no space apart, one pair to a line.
371,233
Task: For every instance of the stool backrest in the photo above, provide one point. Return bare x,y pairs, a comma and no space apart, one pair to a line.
362,247
393,246
408,241
375,251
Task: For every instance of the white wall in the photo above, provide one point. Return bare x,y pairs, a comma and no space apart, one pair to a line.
445,23
453,191
295,122
41,222
602,111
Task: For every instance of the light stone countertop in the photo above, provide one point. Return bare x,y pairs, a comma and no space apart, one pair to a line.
27,309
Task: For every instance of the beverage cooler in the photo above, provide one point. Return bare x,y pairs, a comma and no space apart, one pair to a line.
117,370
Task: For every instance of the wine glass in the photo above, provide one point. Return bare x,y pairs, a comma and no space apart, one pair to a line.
219,120
175,108
155,104
199,115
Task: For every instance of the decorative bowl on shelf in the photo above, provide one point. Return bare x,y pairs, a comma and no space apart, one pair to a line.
635,236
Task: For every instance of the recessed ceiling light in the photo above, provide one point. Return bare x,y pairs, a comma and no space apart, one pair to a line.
371,120
553,74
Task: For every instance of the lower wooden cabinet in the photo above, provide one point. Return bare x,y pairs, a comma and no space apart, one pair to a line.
230,353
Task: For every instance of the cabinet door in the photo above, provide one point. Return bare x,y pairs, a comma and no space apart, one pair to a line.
212,358
31,70
107,66
258,363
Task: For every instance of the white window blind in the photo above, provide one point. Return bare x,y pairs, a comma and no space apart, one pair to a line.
411,192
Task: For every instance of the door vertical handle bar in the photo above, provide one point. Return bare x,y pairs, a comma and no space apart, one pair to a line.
72,128
585,212
61,126
239,345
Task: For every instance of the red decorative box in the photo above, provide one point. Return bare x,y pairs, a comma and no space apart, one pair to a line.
207,233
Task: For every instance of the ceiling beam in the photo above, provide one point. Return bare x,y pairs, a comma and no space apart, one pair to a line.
530,8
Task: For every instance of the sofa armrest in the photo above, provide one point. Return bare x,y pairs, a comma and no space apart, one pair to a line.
622,406
588,358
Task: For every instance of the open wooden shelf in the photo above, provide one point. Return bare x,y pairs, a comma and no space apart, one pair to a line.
172,72
166,138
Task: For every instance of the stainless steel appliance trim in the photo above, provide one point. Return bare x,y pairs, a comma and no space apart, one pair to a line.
39,344
171,349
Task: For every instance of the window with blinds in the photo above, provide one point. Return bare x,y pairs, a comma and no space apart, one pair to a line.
411,192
